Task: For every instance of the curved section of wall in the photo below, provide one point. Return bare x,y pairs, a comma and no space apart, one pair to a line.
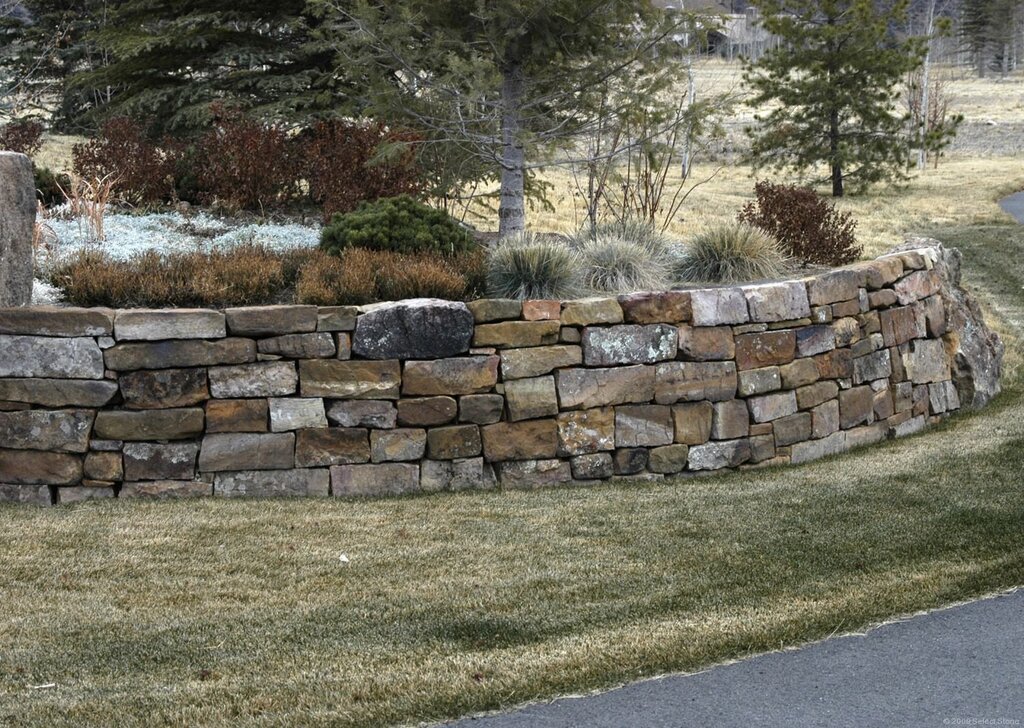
426,395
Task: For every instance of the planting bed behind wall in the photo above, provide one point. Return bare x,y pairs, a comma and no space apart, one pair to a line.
427,395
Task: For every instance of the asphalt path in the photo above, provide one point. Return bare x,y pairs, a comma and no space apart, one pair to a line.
1014,205
960,666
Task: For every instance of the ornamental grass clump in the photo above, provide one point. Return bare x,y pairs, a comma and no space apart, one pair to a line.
735,253
611,264
526,266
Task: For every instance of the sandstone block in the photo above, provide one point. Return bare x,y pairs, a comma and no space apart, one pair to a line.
249,451
180,354
164,388
876,365
62,431
706,343
916,286
18,213
529,399
420,328
264,484
731,420
769,407
294,413
453,442
349,379
630,461
629,344
80,493
236,415
934,316
770,348
426,411
883,405
793,429
799,373
777,301
375,480
536,361
529,440
643,425
58,392
154,461
847,331
103,466
943,397
760,381
375,414
811,340
403,444
486,310
900,325
542,310
463,375
271,320
57,321
586,431
262,379
720,454
719,306
590,388
336,318
804,452
836,364
856,406
815,394
662,307
300,346
590,311
36,495
866,435
714,381
464,474
331,446
596,466
32,357
529,474
925,362
833,287
167,489
135,426
825,419
514,334
910,427
33,467
481,409
668,459
161,325
693,422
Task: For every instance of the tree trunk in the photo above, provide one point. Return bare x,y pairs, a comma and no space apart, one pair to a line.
837,166
512,208
922,154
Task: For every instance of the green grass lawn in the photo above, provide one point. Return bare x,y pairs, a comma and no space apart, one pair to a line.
226,613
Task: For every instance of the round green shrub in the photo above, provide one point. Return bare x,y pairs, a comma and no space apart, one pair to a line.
48,185
397,225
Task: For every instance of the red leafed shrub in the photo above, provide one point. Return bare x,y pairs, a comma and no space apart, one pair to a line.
348,163
246,164
144,172
24,137
809,228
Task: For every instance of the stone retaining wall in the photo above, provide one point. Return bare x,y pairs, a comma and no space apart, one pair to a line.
426,395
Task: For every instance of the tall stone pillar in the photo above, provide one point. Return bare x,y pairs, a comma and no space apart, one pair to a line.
17,220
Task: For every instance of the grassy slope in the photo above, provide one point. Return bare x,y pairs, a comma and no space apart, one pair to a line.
227,613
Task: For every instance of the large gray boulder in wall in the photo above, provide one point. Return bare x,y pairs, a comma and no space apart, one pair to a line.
17,219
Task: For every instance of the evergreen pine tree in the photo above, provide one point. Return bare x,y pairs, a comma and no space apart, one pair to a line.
831,89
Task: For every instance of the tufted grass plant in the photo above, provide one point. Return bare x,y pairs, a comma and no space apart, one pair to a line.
527,266
731,253
613,264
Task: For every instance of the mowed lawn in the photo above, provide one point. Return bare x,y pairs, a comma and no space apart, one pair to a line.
221,613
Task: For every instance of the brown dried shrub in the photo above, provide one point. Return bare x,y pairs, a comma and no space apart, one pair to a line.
24,137
809,228
144,171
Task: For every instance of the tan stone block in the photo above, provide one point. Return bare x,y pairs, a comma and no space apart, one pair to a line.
331,446
693,422
814,394
731,420
104,466
462,375
643,425
33,467
769,407
668,459
167,489
271,320
247,451
529,474
629,344
537,361
663,307
538,310
513,334
792,429
170,424
486,310
590,388
586,431
589,311
529,399
900,325
481,409
350,379
236,415
760,381
825,419
427,411
838,285
403,444
453,442
855,406
529,440
695,381
706,343
771,348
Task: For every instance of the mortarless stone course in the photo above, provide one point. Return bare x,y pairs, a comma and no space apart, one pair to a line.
290,400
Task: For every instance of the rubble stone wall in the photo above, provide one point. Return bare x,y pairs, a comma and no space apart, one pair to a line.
427,395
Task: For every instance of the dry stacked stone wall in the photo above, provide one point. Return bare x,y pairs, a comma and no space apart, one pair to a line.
427,395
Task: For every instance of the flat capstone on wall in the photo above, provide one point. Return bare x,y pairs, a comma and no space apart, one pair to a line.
427,395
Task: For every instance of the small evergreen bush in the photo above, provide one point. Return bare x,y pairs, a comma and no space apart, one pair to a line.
735,253
525,266
809,228
398,225
50,185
